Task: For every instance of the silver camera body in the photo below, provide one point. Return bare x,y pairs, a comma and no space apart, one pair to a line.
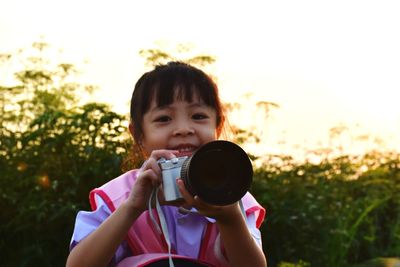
171,170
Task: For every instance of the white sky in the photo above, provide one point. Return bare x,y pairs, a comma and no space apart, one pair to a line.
326,63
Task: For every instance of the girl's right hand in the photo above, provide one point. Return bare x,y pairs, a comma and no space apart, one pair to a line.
148,177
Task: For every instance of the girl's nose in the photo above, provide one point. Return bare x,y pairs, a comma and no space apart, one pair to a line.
183,130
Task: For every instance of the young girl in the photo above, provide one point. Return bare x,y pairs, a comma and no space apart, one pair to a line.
175,109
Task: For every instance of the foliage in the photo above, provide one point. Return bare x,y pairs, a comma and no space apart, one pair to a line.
338,212
180,52
46,175
38,86
51,155
380,262
297,264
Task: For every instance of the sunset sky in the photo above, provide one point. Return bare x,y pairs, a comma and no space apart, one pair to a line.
326,63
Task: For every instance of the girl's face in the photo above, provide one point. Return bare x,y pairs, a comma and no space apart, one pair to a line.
182,126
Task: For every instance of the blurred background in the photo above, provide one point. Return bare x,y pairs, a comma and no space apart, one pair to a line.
326,64
311,90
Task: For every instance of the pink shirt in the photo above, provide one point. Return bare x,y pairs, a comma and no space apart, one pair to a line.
185,230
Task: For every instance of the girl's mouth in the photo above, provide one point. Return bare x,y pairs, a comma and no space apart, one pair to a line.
185,150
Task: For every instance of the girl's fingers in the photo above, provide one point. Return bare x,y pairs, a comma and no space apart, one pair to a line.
194,201
163,153
150,168
151,164
152,161
150,175
185,194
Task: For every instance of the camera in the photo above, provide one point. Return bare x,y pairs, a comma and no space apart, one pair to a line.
171,170
219,172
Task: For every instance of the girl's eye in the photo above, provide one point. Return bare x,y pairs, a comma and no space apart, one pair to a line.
162,119
199,116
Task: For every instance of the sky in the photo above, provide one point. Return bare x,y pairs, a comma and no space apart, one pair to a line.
325,63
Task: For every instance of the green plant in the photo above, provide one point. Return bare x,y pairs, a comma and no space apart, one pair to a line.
53,151
338,212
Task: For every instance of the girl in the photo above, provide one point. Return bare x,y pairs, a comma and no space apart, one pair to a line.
175,109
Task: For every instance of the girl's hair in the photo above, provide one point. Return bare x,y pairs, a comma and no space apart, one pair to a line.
164,83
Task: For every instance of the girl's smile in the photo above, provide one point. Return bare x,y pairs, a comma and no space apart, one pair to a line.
184,149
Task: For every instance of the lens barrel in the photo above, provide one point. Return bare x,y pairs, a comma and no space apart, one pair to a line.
219,172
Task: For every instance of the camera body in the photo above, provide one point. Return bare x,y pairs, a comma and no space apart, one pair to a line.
171,170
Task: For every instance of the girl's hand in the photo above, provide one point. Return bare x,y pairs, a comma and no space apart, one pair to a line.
148,177
223,214
240,247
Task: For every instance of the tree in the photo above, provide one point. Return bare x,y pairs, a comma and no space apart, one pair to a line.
39,86
162,54
181,52
53,151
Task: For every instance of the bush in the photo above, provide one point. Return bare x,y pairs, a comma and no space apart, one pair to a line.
46,175
335,213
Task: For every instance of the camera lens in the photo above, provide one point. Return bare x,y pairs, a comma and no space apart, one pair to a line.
220,173
213,170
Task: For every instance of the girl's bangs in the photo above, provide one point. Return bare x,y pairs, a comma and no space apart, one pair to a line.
166,93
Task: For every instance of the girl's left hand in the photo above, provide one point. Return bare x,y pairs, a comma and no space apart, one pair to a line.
220,213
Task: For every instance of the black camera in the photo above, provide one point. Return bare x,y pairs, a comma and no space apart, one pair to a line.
219,172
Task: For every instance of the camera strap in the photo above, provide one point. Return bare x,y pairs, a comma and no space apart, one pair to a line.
151,211
163,223
243,211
